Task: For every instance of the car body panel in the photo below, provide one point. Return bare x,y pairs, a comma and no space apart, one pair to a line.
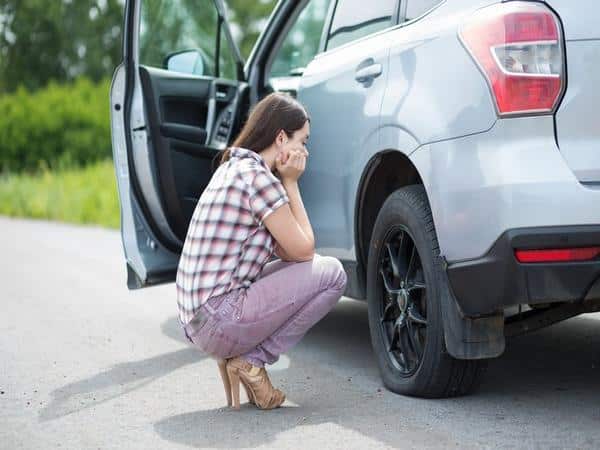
483,175
577,18
453,113
144,253
334,99
512,176
429,69
578,117
145,165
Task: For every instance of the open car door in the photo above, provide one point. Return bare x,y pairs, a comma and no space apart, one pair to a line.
175,100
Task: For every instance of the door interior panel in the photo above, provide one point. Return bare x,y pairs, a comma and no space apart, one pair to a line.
193,175
190,119
191,112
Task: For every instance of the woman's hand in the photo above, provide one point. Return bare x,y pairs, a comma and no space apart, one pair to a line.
293,166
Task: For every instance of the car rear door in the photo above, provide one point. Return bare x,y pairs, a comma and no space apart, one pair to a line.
174,103
343,88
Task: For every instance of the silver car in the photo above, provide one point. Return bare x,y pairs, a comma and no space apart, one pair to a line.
455,158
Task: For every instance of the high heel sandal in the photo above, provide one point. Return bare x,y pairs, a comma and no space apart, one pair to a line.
222,363
255,380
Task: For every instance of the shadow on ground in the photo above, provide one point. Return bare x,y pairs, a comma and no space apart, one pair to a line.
120,378
546,367
339,343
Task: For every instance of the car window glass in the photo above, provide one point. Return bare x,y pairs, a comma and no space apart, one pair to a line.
414,8
227,62
354,19
184,28
247,19
302,41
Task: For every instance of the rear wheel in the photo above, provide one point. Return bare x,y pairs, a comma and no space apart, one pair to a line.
405,288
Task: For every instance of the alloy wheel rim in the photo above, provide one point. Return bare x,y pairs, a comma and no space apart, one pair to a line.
403,300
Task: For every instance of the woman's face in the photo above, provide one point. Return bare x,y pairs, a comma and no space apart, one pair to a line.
295,142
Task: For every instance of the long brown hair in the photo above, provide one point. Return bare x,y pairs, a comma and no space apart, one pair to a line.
276,112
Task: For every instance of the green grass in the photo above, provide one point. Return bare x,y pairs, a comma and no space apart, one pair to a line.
85,195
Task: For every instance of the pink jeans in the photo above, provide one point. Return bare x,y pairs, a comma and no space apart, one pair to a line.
272,314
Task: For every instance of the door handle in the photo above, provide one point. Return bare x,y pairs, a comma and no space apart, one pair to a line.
366,74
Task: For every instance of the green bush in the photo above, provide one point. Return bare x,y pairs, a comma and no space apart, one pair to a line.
80,195
58,126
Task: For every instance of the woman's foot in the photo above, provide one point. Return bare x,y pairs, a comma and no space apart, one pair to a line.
222,363
257,382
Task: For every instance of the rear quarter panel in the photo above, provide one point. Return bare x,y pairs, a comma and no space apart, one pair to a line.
435,90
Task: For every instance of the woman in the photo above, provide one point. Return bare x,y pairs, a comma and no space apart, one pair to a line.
233,304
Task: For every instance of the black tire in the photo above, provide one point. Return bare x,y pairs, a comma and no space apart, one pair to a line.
413,318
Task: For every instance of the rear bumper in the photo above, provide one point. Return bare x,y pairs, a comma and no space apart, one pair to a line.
488,284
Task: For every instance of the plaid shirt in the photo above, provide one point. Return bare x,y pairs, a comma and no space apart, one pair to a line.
227,244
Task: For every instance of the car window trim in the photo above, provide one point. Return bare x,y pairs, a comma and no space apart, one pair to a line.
358,26
223,29
401,13
402,16
327,26
291,21
395,21
131,61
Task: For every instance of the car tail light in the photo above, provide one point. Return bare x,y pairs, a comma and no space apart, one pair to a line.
558,255
518,46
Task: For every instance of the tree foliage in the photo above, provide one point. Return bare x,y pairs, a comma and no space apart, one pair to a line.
43,40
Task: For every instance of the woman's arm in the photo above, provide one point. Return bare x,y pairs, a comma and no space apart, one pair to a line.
297,207
289,235
289,224
299,213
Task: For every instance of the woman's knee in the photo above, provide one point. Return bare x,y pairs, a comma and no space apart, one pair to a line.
333,273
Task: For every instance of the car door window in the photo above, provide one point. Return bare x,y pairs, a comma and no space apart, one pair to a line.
180,35
414,8
354,19
302,41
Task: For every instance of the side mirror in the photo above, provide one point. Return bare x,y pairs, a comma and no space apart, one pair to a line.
191,61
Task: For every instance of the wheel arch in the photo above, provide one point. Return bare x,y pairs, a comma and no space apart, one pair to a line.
385,172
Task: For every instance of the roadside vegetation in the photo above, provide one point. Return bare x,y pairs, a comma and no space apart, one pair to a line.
55,154
85,195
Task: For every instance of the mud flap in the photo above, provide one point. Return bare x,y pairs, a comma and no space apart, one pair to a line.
471,338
